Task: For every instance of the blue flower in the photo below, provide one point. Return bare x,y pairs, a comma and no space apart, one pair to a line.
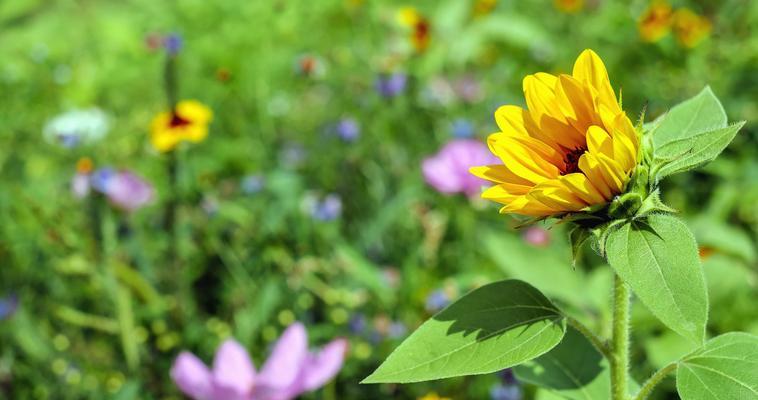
462,128
8,306
348,130
252,184
391,85
437,300
173,43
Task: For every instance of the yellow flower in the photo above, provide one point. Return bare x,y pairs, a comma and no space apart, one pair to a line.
433,396
408,16
655,22
574,147
188,122
690,28
569,6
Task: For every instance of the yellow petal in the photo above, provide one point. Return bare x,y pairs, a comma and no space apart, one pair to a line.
613,170
539,90
524,161
599,141
500,194
581,186
589,68
526,206
556,196
501,174
591,167
510,119
194,111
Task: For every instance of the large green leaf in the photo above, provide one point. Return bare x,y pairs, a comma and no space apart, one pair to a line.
574,369
694,151
726,368
658,259
491,328
698,114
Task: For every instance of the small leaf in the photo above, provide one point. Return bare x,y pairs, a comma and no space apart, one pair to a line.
724,369
658,259
491,328
701,113
694,151
578,236
574,369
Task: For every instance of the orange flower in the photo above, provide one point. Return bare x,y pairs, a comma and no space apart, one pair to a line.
569,6
655,22
690,28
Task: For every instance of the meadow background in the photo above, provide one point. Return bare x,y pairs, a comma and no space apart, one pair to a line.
307,202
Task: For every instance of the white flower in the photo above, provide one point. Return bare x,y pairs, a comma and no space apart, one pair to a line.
77,127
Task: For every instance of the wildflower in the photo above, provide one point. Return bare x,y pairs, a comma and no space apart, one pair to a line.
574,147
252,184
508,388
290,370
77,127
310,66
690,28
537,236
80,185
327,209
187,122
418,25
358,324
569,6
437,300
8,306
462,128
483,7
391,85
397,330
433,396
655,21
173,43
124,189
348,129
448,170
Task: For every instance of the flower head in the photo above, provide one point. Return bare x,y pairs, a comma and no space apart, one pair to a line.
348,129
290,370
77,127
391,85
574,147
8,306
448,170
328,208
569,6
124,189
690,28
173,43
655,21
187,122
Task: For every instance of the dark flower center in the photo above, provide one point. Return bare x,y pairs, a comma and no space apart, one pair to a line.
571,161
177,121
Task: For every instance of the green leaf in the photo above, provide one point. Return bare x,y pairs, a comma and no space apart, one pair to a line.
701,113
496,326
577,237
695,150
724,369
658,259
574,369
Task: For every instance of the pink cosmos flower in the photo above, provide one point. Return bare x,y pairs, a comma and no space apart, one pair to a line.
448,170
290,370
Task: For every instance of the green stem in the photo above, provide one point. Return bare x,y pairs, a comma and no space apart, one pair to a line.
596,340
654,380
619,359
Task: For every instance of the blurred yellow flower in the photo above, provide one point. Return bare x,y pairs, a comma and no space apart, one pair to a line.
419,26
574,147
690,28
569,6
433,396
408,16
187,122
655,21
483,7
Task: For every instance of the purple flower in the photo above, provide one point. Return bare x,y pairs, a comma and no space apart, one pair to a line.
397,330
358,324
437,300
505,392
290,370
448,170
123,189
173,43
327,209
348,130
391,85
8,306
462,128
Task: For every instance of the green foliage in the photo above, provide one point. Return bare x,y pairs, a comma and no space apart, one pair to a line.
691,152
496,326
688,119
573,369
724,369
657,257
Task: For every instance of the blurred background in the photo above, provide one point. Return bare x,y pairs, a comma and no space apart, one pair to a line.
319,194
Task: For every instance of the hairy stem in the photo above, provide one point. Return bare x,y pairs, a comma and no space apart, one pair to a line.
620,340
654,380
600,344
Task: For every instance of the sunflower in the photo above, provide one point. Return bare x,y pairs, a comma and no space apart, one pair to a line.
572,149
187,122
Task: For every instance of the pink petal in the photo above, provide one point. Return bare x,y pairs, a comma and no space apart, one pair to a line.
286,361
322,366
192,376
233,372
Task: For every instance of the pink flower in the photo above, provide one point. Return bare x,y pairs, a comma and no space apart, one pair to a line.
290,370
448,170
537,236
